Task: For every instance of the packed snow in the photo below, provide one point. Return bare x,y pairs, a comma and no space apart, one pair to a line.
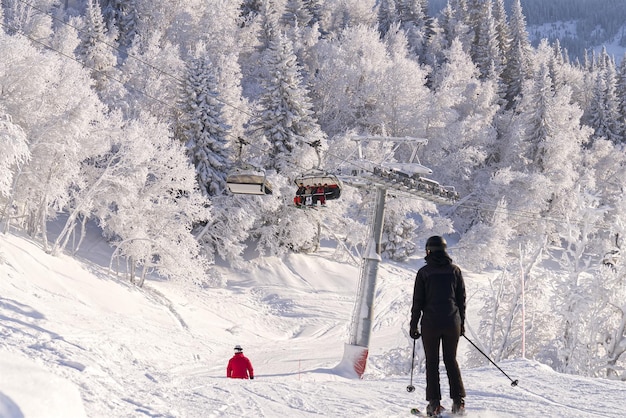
79,341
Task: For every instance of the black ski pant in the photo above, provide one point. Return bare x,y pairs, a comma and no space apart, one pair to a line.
448,338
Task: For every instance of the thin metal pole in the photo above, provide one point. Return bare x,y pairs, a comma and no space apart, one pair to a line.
513,382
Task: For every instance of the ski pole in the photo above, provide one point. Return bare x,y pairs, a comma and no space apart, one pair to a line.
513,382
410,387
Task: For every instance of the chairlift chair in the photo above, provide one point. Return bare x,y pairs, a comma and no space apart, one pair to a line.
248,179
315,177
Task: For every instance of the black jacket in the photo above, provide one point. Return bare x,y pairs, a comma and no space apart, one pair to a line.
439,293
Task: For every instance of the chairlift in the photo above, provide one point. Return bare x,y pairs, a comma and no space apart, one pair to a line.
247,179
330,182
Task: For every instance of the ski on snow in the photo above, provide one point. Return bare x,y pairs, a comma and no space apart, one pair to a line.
443,414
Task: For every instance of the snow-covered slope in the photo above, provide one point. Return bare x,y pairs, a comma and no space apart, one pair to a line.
77,341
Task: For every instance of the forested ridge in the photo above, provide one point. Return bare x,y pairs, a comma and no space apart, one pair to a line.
131,114
580,25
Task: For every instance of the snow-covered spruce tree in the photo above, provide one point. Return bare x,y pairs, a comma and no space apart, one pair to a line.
208,147
296,15
456,23
224,42
286,117
418,26
249,10
387,16
204,129
603,111
621,95
486,52
555,134
518,60
123,15
503,31
95,50
298,25
314,8
286,122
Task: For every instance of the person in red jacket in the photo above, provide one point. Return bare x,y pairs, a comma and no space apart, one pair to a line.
239,366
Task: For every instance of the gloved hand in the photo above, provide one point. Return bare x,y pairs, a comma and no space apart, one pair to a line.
415,334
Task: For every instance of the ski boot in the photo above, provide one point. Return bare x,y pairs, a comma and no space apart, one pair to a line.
434,409
458,406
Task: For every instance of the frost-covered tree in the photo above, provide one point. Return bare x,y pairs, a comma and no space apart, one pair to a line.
286,123
398,238
123,15
151,76
460,132
403,99
143,193
515,299
22,17
503,32
225,43
603,335
64,129
204,128
369,86
95,50
286,117
455,23
578,302
621,95
13,153
345,14
296,14
518,60
486,49
387,16
250,9
607,324
603,112
417,25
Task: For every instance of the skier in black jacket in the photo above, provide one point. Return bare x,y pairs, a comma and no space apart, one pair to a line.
439,300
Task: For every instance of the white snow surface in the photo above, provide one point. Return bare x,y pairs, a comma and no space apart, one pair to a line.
77,341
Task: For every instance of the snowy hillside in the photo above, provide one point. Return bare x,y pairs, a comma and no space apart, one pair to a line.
77,342
566,33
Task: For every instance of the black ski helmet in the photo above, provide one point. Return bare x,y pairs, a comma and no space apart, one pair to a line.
436,243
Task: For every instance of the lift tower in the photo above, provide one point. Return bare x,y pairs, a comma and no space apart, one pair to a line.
406,178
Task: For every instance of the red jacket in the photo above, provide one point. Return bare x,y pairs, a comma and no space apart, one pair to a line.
239,367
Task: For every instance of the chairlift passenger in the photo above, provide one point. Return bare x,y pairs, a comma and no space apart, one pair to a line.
321,193
299,199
